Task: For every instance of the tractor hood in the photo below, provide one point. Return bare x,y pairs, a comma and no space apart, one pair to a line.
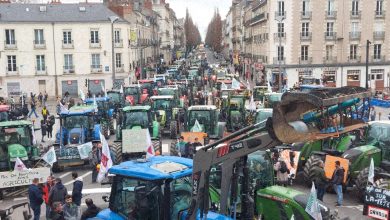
17,150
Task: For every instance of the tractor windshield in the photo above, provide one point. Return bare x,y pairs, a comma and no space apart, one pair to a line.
136,118
18,135
379,132
162,104
114,97
3,116
135,199
131,91
76,121
203,117
263,115
166,92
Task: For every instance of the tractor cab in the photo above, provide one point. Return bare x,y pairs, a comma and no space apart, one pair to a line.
4,113
259,93
271,99
132,94
204,118
147,86
103,105
116,99
171,91
233,112
136,116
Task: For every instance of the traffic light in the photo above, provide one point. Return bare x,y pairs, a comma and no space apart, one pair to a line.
86,83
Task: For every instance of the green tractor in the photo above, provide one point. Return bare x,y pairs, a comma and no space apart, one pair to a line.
104,114
374,145
131,120
234,113
167,113
171,91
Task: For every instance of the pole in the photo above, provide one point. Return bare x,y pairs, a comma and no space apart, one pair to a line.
280,61
113,54
367,56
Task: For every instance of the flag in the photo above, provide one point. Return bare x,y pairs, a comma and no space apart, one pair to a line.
106,161
235,84
249,85
312,206
103,89
371,172
196,127
34,140
19,165
121,90
95,103
82,95
223,86
63,108
252,104
138,84
149,147
50,156
84,150
292,217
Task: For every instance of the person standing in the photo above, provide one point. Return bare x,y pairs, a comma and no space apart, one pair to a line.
35,197
181,147
33,107
40,98
45,113
58,192
46,190
92,210
77,191
337,181
43,130
45,97
95,157
281,172
194,146
372,114
320,180
71,211
50,124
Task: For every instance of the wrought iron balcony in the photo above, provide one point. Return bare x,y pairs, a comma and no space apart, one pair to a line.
280,36
354,59
306,15
379,35
95,44
96,69
305,36
330,59
10,45
69,69
354,35
12,71
120,69
42,70
305,60
118,43
331,14
356,14
67,44
279,60
380,14
330,36
378,58
39,44
281,14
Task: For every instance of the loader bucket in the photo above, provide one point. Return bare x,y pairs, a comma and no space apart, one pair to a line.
320,113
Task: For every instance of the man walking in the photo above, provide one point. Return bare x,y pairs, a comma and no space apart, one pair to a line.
58,192
35,197
337,181
33,106
76,192
320,180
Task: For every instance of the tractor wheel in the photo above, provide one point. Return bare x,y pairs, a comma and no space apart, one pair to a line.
173,149
157,146
310,165
173,129
112,127
57,168
105,130
40,164
362,181
382,183
116,149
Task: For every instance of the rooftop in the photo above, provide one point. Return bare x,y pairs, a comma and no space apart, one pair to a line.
137,107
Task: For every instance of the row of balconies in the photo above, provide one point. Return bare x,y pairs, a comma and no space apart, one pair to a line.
330,59
333,14
12,45
66,70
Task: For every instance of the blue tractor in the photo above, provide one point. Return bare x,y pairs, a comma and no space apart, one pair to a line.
104,114
77,126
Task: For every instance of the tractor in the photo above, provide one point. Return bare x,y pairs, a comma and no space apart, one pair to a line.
134,95
4,112
172,91
147,86
77,126
165,107
259,93
116,100
233,112
132,121
104,114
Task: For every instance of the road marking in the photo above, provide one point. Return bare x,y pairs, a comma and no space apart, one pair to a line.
358,207
82,176
64,175
19,191
20,198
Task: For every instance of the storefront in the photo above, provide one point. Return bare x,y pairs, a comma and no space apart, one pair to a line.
353,78
95,86
71,87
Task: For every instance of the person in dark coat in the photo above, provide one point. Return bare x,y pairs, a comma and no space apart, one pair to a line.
57,212
76,192
95,157
58,192
43,130
194,146
50,124
35,197
320,180
92,210
337,181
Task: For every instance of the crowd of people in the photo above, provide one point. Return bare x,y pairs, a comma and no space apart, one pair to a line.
60,205
187,149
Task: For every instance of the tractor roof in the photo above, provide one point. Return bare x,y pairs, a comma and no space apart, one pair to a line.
202,107
79,110
162,97
155,168
136,108
146,81
131,86
98,99
117,91
387,122
172,87
15,123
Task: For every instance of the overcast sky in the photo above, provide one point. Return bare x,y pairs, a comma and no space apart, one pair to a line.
201,10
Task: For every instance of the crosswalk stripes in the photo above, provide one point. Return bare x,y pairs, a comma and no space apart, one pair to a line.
82,176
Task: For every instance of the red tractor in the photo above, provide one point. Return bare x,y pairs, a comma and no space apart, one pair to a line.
135,95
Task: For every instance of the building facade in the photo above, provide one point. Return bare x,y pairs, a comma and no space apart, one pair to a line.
316,41
61,48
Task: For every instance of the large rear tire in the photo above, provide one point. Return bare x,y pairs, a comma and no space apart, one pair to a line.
362,181
157,146
173,129
105,130
173,149
112,127
57,168
308,170
382,183
116,149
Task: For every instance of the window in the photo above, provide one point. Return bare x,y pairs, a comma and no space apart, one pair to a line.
305,29
329,76
353,75
11,61
96,61
117,36
304,52
329,29
118,60
377,74
38,33
68,61
330,7
281,8
67,37
355,7
329,52
94,37
379,7
377,51
280,29
280,53
10,36
305,6
40,62
354,27
353,51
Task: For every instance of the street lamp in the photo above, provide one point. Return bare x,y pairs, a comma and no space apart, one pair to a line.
113,19
367,57
279,19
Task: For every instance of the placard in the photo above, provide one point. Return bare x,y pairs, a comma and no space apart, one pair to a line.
330,166
377,202
84,150
22,178
134,141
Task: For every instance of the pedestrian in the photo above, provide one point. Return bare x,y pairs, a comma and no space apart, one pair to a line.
33,106
320,180
95,157
40,98
337,181
77,191
57,211
92,210
43,130
35,197
50,124
58,192
281,172
194,146
182,147
45,113
46,190
372,113
45,97
71,211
